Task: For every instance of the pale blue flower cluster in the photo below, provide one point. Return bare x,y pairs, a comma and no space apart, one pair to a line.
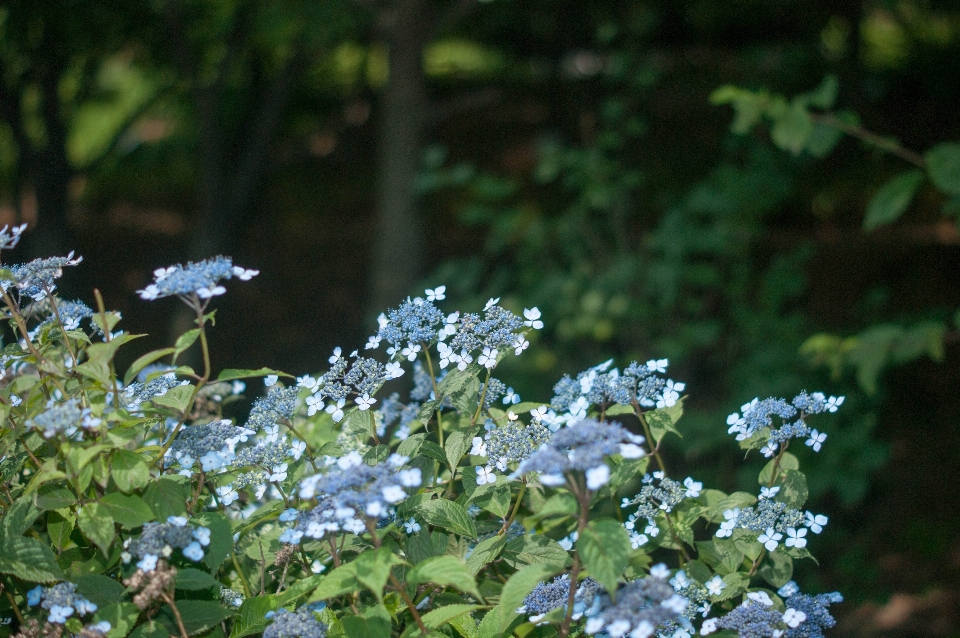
697,595
62,601
658,494
301,623
641,608
815,609
145,390
277,407
363,378
774,521
158,540
212,444
416,321
37,279
546,597
64,418
10,236
510,443
71,314
350,494
582,447
602,385
200,278
392,409
758,415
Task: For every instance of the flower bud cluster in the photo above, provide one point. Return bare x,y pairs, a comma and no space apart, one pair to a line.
71,313
200,278
758,415
213,444
61,600
302,623
349,495
160,539
546,597
64,418
513,442
582,447
642,606
37,279
416,321
140,391
601,385
278,406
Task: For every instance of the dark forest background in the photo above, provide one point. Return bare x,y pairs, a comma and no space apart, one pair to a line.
574,155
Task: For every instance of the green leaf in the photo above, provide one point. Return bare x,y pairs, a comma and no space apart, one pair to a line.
604,547
370,625
448,515
432,450
411,445
777,569
793,490
456,446
447,571
465,625
562,504
18,518
198,615
496,500
151,629
824,95
143,361
373,569
517,587
662,421
128,510
359,422
97,525
340,581
533,549
943,166
30,560
221,538
733,585
177,397
54,496
184,342
439,617
121,616
167,496
252,616
129,470
230,374
99,589
59,526
792,128
190,578
299,589
485,552
892,199
787,462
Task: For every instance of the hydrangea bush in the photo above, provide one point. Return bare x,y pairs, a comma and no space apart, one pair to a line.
404,491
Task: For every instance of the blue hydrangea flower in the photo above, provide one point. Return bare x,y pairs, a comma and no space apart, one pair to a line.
201,279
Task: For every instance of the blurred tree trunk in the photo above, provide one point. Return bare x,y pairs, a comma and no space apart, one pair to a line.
399,240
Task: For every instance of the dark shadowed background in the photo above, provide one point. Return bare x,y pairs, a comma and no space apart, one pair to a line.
554,153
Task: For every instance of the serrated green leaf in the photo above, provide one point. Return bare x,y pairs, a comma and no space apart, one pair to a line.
167,496
447,571
661,421
534,549
787,462
457,445
892,199
495,500
604,547
411,445
448,515
177,397
143,361
59,527
372,569
128,510
439,617
18,518
485,552
793,490
55,496
184,342
340,581
121,616
190,578
97,525
776,569
30,560
733,585
129,471
252,617
99,589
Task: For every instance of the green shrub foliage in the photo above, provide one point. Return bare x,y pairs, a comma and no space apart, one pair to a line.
405,491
